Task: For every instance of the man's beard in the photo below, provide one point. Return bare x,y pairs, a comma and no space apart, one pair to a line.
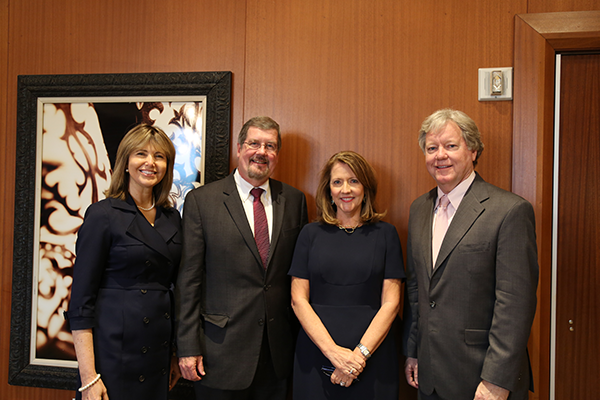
255,172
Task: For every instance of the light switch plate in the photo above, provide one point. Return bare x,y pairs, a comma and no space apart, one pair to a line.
485,84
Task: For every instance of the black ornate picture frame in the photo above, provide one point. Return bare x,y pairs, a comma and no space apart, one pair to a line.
148,95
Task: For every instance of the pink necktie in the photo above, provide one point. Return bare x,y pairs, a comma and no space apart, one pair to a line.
441,226
261,228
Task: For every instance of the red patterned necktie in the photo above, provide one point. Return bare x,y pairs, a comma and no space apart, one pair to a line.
261,228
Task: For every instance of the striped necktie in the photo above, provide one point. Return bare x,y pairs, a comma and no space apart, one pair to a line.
261,228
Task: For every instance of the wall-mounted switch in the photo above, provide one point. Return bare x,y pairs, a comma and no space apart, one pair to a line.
495,84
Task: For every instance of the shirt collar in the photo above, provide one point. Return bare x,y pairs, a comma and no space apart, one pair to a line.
244,187
456,195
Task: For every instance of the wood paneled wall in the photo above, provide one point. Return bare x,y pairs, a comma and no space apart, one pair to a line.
336,74
538,37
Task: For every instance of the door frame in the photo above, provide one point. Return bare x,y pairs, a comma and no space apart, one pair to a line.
538,37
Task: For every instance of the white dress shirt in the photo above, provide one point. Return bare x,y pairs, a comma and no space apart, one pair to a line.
455,196
244,188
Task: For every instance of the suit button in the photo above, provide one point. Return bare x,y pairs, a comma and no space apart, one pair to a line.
141,378
148,263
432,304
163,371
165,345
144,291
144,350
146,320
267,287
167,316
261,322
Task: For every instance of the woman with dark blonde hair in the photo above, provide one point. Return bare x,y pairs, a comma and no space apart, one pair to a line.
346,275
128,252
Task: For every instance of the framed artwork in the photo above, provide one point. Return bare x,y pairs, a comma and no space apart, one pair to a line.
68,131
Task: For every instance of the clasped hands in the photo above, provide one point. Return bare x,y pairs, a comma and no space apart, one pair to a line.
349,364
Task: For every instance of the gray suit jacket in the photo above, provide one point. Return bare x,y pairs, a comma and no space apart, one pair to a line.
469,318
224,298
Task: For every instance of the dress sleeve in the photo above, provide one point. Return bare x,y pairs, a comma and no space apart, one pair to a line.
394,264
92,249
299,266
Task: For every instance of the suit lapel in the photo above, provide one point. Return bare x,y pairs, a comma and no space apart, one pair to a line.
425,235
234,206
140,229
278,202
164,227
469,210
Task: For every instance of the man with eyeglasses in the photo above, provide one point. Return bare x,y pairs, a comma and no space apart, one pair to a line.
235,329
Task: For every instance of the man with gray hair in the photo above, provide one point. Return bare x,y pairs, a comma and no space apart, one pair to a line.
235,327
472,274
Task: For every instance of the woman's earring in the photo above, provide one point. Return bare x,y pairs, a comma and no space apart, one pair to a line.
332,202
127,170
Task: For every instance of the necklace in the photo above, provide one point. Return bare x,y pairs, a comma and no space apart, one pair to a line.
348,230
149,208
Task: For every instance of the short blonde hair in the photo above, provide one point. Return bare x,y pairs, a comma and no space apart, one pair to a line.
467,126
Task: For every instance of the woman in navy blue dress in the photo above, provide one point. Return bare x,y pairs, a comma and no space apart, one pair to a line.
346,275
128,251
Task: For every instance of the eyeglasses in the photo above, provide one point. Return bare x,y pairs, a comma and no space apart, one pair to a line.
269,146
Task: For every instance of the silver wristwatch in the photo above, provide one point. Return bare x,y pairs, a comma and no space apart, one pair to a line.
364,351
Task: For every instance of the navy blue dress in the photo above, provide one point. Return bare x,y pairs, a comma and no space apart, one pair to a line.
122,289
346,273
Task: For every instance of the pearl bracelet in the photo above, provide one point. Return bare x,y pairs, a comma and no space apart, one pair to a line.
96,379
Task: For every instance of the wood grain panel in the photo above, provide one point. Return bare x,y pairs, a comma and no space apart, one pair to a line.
337,74
568,31
533,105
73,37
578,256
547,6
6,188
69,36
533,155
362,76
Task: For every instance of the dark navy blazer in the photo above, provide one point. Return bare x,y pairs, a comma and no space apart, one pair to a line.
122,288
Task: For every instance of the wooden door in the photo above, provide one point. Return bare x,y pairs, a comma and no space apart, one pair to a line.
578,258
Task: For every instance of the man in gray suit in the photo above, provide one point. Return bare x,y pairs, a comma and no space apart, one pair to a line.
472,274
235,329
